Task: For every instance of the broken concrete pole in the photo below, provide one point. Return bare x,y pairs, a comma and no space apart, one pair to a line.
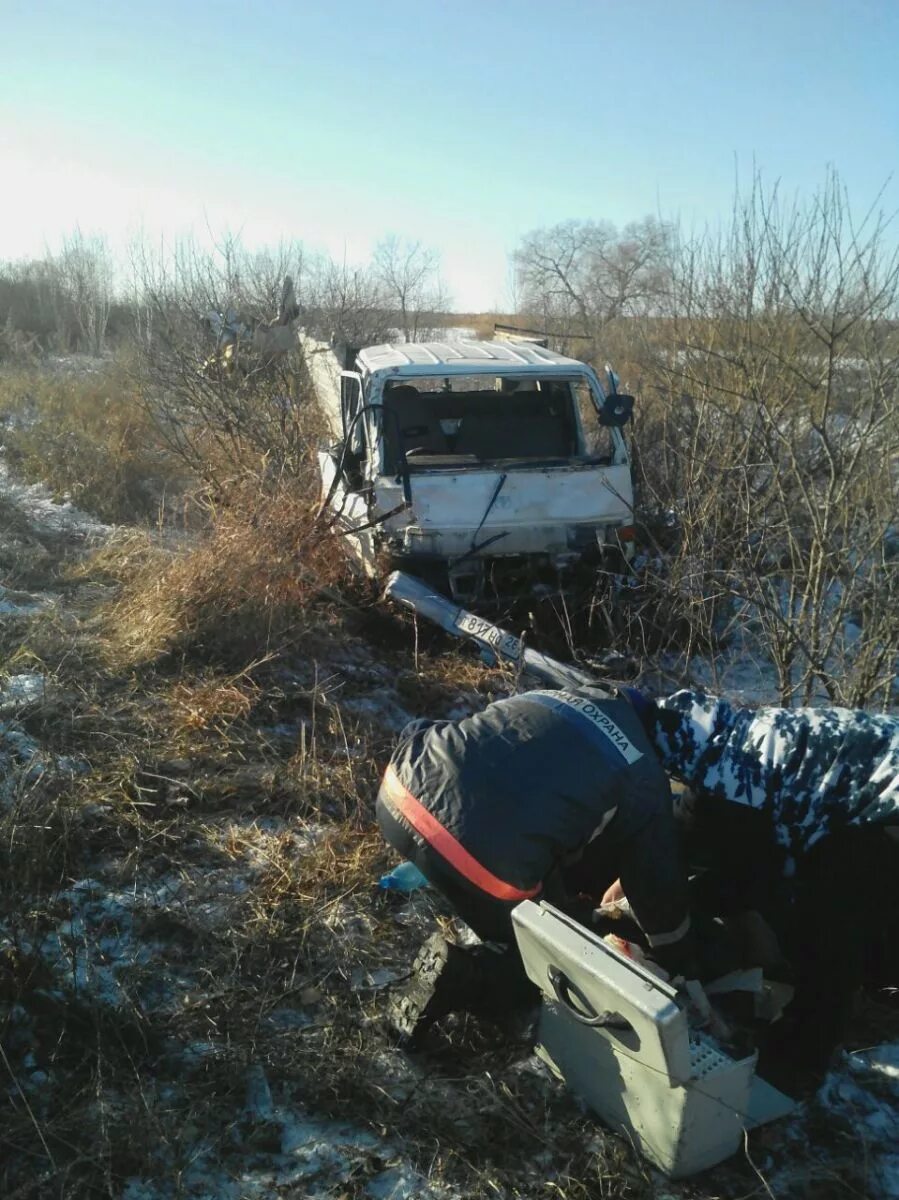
498,643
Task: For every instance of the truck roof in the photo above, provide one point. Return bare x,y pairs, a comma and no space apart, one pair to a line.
463,358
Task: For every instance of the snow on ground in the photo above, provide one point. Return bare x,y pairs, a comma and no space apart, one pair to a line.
19,692
317,1155
455,333
25,604
864,1092
101,949
101,954
858,1104
738,675
35,502
23,761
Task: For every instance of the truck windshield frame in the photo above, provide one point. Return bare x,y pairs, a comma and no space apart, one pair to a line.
471,421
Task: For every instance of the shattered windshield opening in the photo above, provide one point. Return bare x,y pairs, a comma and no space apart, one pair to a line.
466,420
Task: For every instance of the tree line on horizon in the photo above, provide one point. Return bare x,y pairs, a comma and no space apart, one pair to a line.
571,282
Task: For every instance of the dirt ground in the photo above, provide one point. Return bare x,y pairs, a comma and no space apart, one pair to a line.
195,958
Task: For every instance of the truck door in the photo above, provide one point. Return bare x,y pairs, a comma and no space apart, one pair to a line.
355,442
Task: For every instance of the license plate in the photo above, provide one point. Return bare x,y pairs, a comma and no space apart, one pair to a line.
505,643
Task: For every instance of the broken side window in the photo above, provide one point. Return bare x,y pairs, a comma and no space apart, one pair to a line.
597,438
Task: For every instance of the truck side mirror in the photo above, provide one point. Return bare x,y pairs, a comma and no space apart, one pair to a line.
616,410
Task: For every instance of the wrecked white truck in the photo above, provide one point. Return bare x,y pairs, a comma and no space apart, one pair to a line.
493,470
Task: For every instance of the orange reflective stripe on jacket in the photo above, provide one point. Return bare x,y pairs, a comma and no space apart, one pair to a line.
448,847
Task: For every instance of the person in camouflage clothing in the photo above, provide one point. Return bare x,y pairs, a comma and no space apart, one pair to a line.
795,814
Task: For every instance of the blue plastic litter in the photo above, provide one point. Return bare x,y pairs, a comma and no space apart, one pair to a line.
404,878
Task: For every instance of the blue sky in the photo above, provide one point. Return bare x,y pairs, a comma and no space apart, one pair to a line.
461,124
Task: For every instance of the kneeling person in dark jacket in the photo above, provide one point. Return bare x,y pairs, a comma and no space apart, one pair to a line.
494,808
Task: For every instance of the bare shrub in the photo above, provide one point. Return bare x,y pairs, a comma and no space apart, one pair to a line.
351,305
771,434
61,303
28,319
222,390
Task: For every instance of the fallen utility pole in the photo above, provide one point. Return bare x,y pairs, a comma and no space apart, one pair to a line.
497,643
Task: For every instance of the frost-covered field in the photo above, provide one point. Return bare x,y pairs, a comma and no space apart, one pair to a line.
194,960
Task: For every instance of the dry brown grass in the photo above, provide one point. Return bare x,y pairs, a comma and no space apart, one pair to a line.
481,323
242,592
197,705
221,796
86,436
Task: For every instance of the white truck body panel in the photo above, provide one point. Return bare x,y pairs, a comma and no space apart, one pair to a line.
463,357
533,511
557,510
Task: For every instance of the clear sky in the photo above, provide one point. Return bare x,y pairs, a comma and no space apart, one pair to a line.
464,124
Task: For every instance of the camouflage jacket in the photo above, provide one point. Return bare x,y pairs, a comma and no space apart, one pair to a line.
811,770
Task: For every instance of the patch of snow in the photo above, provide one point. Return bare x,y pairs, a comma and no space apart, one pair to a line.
374,980
22,691
741,678
314,1157
23,763
861,1094
36,502
352,666
259,1095
78,364
100,949
291,732
199,1052
380,707
865,1091
16,747
289,1018
455,333
397,1183
94,952
14,604
141,1189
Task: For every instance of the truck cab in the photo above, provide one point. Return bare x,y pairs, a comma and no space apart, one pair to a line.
492,469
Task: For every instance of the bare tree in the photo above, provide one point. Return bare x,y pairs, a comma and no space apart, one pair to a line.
351,304
576,277
410,275
28,307
61,302
84,272
217,338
